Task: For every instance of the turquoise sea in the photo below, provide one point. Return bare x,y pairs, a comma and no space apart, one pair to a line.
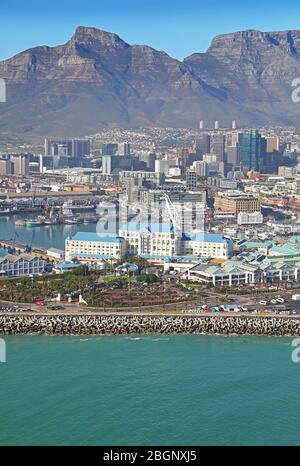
149,390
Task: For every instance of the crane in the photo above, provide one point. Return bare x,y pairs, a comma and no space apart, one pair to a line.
173,213
28,247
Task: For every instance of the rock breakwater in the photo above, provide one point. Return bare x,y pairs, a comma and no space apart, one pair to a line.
111,324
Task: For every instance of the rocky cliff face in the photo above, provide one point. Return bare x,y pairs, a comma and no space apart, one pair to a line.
96,78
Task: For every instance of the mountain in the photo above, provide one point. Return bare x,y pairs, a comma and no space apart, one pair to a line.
97,79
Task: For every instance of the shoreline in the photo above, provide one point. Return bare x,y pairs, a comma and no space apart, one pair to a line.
64,324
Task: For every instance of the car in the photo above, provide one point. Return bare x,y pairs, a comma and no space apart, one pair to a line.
263,302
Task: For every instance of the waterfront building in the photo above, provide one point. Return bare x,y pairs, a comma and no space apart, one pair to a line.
21,265
160,239
155,239
88,247
209,245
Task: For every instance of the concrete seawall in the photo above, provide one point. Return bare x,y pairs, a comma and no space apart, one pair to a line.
112,324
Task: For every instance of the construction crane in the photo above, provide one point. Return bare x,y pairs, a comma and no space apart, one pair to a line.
11,249
173,212
28,247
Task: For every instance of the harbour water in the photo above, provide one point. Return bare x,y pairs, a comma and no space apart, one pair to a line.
46,235
149,389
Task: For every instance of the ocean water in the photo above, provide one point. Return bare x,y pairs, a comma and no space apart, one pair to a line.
149,390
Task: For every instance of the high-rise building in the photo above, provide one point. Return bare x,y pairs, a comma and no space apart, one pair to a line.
162,166
217,146
272,143
6,167
20,164
109,149
191,180
252,148
203,144
201,168
76,148
149,158
127,149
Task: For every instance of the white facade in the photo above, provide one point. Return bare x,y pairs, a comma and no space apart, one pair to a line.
249,218
208,245
145,242
24,264
90,246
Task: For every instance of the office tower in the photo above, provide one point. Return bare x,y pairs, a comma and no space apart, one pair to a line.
272,143
201,125
149,158
80,148
217,146
20,164
203,144
106,164
232,155
6,167
233,124
109,149
191,180
76,148
127,150
217,125
162,166
232,138
201,168
252,149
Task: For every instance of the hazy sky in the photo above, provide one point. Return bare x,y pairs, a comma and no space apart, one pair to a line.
177,27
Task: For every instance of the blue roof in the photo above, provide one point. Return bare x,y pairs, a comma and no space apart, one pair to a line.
67,265
98,237
209,238
151,227
91,256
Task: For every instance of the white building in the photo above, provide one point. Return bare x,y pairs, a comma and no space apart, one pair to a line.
208,245
23,264
249,218
87,247
155,240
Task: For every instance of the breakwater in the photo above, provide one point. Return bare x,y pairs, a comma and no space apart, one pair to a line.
112,324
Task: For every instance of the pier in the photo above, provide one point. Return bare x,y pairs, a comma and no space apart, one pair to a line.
21,246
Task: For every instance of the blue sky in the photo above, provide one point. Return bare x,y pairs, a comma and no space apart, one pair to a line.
177,27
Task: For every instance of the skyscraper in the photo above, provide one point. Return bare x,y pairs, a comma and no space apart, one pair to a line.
203,144
251,150
217,146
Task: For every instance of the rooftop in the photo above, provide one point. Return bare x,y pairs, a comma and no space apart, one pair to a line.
97,237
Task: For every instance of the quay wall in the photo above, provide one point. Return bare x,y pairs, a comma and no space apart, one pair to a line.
137,324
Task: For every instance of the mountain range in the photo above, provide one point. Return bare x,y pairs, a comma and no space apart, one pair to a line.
96,79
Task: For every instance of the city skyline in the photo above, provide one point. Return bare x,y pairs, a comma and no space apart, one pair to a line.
178,29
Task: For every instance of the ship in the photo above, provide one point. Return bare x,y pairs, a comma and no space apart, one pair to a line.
35,223
70,221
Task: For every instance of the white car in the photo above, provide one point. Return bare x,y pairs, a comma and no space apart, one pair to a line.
280,300
263,302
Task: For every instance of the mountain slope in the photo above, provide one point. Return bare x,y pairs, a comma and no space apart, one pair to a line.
98,79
